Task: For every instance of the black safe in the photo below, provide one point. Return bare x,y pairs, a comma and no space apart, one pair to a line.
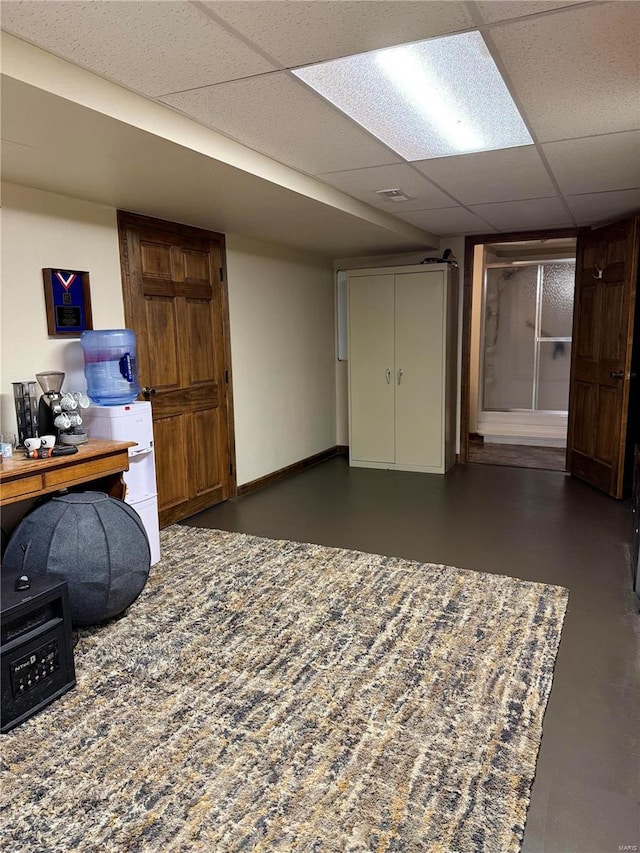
36,649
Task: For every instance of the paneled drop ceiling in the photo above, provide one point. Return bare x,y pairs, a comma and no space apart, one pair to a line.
572,68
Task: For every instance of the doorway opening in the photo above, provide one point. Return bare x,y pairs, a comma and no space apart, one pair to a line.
518,317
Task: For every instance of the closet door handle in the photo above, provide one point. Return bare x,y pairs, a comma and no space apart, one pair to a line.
400,374
616,374
388,375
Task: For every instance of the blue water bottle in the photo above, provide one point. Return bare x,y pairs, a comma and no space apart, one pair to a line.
110,366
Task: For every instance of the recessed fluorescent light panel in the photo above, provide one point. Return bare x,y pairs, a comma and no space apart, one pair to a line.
428,99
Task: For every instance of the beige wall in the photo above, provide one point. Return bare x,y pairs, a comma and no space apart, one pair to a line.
39,230
281,306
282,328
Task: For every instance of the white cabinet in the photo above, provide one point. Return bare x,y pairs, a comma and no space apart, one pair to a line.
403,367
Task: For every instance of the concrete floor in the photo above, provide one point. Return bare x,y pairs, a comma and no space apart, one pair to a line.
536,525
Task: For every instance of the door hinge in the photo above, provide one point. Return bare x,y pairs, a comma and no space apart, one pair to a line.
221,274
226,376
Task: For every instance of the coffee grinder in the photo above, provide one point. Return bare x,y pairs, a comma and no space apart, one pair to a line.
50,402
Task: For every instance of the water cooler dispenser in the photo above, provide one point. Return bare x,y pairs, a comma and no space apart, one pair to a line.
133,422
110,365
111,371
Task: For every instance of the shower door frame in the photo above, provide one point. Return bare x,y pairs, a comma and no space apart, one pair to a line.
538,339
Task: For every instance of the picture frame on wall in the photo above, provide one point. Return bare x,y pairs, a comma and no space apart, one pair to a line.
68,302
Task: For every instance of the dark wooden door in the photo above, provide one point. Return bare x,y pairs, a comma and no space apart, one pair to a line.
175,301
606,275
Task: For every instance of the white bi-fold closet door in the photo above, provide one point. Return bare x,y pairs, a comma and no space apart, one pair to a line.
399,350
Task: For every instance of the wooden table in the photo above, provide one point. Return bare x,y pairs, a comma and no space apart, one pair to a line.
97,460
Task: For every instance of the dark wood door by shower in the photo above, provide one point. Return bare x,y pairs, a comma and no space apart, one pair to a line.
175,301
601,381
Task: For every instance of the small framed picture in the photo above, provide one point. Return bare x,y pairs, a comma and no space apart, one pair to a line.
68,300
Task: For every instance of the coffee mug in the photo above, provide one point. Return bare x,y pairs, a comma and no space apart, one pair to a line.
32,443
47,440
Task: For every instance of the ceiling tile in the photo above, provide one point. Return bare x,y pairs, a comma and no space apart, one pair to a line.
597,163
518,215
602,207
151,48
502,10
575,72
507,175
448,220
363,183
280,117
305,31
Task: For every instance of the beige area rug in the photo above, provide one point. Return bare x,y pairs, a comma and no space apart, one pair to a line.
273,696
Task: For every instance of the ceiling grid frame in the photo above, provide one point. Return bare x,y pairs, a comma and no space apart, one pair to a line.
474,11
583,201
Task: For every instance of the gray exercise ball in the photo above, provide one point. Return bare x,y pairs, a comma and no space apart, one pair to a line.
95,542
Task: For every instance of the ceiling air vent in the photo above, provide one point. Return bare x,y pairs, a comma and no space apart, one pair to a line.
393,195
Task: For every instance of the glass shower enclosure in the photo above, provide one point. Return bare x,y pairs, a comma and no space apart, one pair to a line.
528,317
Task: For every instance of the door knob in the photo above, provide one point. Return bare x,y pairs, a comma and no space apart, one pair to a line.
400,374
616,374
388,375
148,392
